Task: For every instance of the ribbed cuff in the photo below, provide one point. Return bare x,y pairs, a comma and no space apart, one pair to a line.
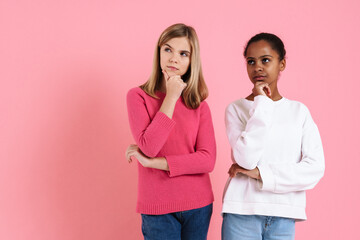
174,169
163,120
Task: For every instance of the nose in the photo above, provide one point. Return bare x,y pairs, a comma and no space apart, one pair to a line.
258,67
174,58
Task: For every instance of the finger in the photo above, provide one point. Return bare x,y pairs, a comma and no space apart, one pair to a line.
174,78
130,153
166,75
127,152
183,86
128,156
268,90
132,158
232,167
262,86
131,146
178,77
234,173
136,147
260,89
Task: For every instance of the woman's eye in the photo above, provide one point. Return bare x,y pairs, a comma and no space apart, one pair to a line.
184,54
250,62
266,60
167,50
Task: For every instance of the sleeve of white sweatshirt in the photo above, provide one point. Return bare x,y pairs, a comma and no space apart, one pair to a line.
248,140
290,177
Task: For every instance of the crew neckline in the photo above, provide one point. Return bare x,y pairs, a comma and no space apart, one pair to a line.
282,99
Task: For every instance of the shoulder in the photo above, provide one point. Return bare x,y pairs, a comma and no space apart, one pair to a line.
298,106
136,91
301,112
136,96
203,107
239,105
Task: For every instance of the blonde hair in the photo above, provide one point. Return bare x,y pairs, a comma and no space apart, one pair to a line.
196,90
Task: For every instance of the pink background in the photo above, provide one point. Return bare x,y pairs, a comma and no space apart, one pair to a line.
65,68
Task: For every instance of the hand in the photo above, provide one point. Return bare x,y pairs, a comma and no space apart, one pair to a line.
134,151
174,85
235,169
261,88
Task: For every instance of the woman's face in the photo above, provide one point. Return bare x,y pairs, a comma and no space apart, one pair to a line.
263,64
175,56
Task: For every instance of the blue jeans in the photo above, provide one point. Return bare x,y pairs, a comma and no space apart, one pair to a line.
256,227
192,224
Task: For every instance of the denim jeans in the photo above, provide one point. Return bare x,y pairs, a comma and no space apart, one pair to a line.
256,227
186,225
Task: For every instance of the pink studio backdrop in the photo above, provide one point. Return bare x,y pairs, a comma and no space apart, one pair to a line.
65,69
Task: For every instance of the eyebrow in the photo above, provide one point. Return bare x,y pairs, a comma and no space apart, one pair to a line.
260,56
180,50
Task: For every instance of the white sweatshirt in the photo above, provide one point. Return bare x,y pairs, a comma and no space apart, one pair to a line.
282,140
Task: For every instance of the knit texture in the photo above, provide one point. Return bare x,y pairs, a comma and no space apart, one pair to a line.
187,141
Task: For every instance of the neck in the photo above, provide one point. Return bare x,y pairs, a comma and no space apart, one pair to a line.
275,95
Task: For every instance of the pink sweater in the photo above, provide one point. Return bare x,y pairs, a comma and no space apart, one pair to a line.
187,142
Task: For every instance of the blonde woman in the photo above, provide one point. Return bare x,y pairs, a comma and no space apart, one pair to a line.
175,143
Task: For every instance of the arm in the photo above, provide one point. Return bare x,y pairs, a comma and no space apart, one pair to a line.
235,169
290,177
149,134
203,159
248,140
157,163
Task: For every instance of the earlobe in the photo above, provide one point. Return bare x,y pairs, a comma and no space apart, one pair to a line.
282,65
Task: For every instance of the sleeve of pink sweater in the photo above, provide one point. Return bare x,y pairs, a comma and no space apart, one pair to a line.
203,159
149,134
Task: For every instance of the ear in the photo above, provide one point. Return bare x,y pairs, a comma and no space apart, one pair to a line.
282,65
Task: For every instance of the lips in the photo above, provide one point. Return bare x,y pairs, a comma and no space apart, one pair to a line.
259,78
172,68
